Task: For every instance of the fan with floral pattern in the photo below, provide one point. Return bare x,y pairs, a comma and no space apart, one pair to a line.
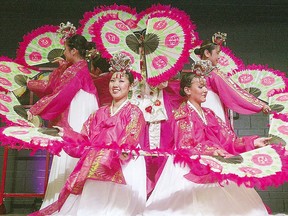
278,102
278,130
40,46
262,167
14,75
260,81
8,104
21,133
123,12
21,137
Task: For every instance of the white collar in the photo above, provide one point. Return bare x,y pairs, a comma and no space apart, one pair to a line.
201,115
118,109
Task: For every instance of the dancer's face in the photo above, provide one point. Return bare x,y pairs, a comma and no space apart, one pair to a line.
69,53
119,86
197,92
213,56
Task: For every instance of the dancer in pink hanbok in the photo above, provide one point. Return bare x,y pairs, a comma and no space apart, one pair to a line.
68,98
104,181
223,93
200,132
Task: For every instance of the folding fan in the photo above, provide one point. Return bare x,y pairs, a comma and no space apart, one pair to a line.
12,112
278,102
122,12
262,167
164,45
111,39
40,46
279,131
228,63
21,133
14,75
260,81
32,138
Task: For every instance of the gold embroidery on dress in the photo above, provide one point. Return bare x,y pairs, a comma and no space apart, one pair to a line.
132,129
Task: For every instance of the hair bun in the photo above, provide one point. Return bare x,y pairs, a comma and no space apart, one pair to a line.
197,51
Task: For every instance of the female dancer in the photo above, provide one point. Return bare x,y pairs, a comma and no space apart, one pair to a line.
70,97
103,181
200,132
223,93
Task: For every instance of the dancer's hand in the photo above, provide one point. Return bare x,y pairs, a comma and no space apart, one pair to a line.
163,85
29,116
221,152
124,156
266,109
58,60
61,130
261,142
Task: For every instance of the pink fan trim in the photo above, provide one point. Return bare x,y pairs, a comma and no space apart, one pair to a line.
4,58
280,116
3,89
88,15
54,147
7,121
152,9
279,91
20,55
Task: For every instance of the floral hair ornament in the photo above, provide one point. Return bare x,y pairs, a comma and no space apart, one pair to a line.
66,30
219,38
202,68
120,63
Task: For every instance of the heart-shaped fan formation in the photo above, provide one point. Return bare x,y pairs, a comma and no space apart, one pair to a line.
162,46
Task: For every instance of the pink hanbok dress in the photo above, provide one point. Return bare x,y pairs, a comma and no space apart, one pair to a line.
176,195
224,94
101,183
70,97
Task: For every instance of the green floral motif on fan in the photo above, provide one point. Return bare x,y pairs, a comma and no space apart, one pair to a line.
277,107
256,92
279,131
276,140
